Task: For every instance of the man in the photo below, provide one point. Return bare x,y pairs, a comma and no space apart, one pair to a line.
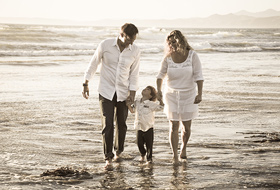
119,75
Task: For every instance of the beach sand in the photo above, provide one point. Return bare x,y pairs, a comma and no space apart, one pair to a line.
47,125
222,154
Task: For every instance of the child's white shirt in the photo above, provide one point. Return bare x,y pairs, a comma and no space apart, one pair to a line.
145,114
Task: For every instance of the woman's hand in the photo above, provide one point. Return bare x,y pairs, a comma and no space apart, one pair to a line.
159,95
198,99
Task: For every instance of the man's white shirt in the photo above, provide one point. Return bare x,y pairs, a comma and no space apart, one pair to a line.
119,71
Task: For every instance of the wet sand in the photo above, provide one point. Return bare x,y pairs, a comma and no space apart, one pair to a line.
233,144
222,153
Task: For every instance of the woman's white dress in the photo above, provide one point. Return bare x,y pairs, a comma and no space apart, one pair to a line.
180,89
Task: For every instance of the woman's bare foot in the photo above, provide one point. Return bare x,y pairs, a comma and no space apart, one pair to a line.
183,156
183,159
183,152
176,161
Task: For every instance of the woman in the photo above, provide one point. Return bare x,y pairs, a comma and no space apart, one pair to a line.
182,68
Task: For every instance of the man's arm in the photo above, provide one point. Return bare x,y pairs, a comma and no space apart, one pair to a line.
92,67
132,96
133,78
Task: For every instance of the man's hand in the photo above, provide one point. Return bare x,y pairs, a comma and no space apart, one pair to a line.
129,100
131,97
131,109
85,92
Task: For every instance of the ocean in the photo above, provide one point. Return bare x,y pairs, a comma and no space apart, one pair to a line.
46,124
35,40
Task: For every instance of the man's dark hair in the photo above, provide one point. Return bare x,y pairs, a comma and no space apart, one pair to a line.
153,93
129,29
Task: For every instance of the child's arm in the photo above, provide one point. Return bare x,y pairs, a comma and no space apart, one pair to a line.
158,107
161,102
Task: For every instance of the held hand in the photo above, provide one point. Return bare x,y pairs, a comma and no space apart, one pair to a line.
128,104
161,103
159,96
129,100
198,99
85,92
130,109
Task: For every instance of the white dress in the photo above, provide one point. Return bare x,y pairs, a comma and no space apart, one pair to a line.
180,90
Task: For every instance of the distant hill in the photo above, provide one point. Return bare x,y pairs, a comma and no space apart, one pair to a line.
242,19
232,21
267,13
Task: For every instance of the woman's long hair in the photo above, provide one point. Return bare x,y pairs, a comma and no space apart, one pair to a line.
182,43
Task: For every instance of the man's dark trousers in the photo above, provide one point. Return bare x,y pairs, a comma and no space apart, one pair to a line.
113,111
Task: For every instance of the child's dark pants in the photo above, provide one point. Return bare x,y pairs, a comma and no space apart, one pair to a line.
146,138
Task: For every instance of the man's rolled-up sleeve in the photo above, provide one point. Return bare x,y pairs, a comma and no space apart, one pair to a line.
94,62
134,73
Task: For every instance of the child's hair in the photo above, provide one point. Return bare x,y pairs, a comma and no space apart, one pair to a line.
153,93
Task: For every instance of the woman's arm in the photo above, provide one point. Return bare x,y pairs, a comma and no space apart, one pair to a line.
198,98
159,93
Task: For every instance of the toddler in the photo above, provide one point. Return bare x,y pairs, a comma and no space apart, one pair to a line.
144,109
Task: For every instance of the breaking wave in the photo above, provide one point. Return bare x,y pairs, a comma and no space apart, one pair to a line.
36,40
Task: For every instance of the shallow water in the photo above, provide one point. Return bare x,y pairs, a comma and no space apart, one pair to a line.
47,129
46,124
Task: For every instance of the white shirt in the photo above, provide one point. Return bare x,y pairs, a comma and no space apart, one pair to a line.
145,114
119,71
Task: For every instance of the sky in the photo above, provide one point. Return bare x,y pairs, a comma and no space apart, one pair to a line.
86,10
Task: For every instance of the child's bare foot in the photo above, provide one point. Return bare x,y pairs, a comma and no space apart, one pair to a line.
109,165
117,157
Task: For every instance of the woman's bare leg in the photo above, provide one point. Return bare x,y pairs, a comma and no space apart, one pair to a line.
174,139
185,135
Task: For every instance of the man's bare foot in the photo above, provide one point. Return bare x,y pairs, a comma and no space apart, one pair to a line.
149,163
142,159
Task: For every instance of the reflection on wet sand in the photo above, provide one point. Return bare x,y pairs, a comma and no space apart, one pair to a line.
179,178
146,177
